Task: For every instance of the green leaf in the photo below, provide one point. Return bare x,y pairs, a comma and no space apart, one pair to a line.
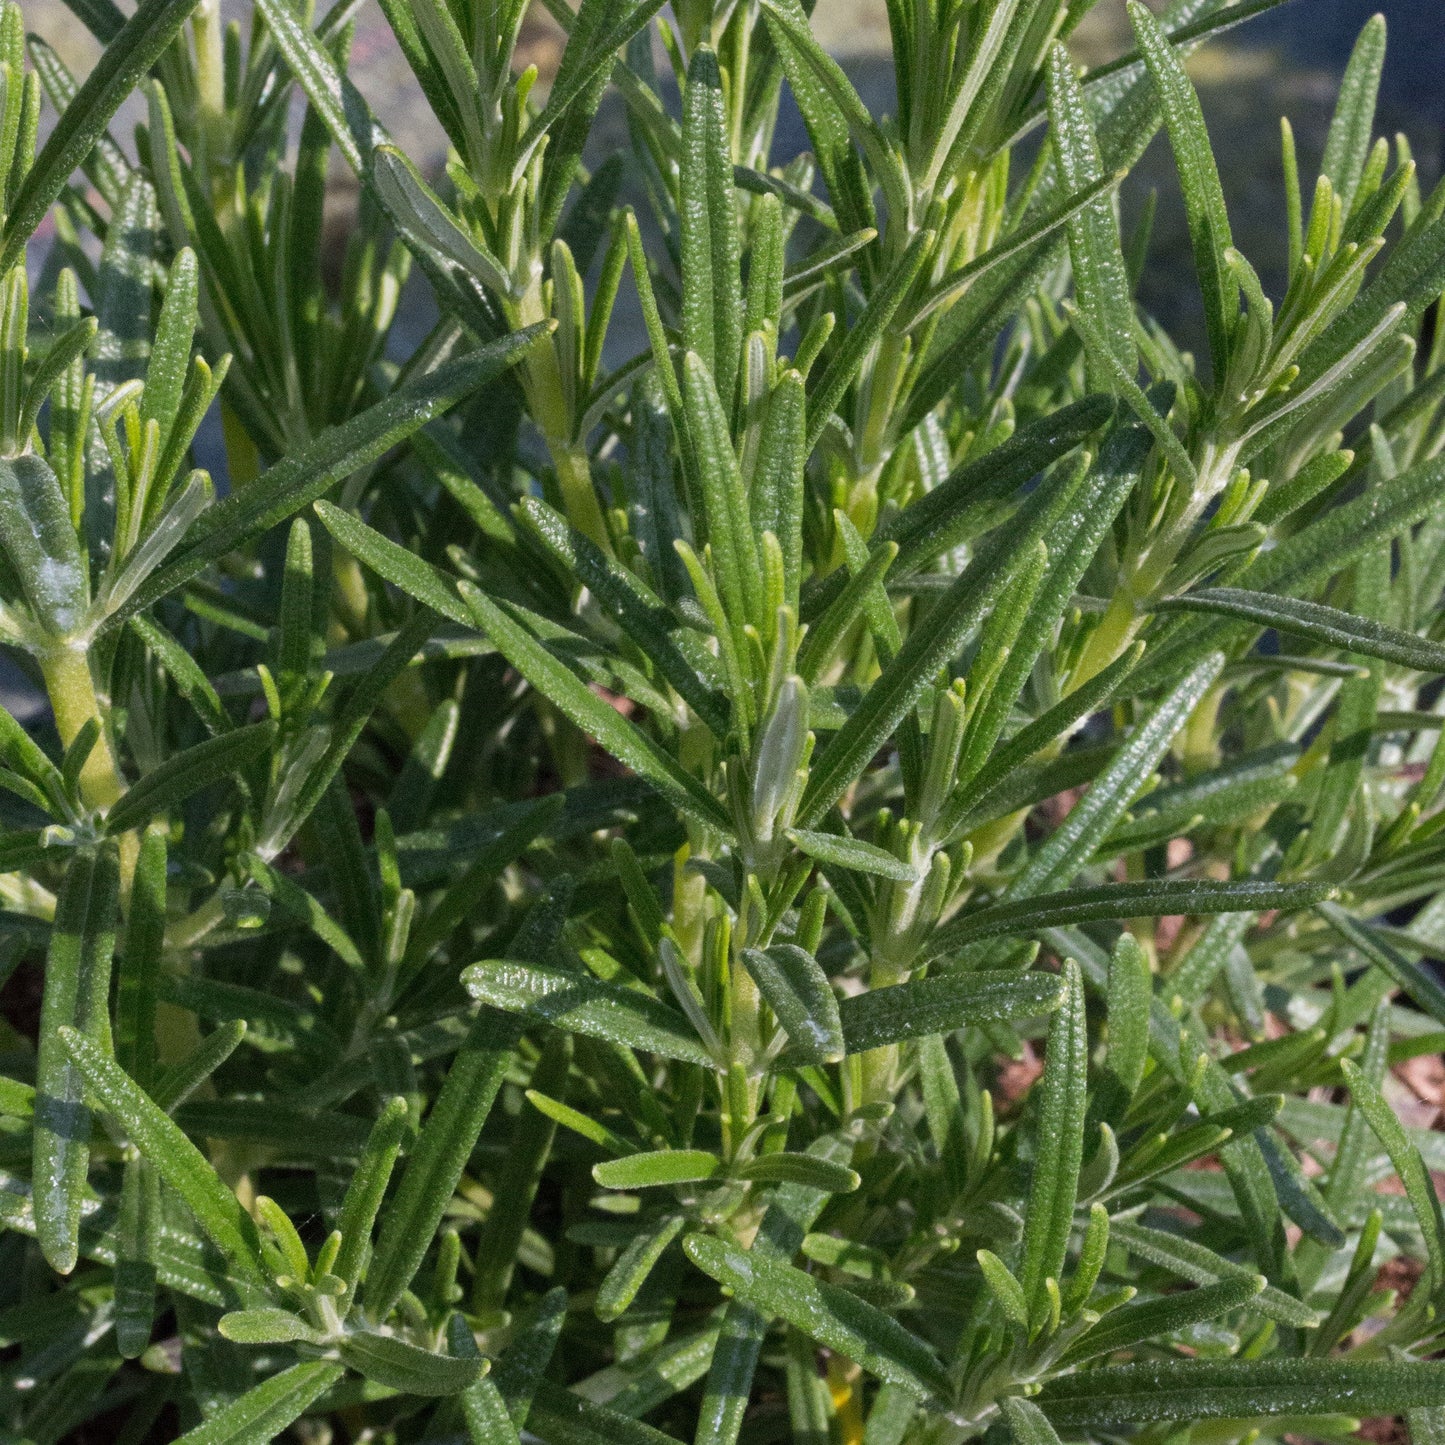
562,1417
185,672
188,772
395,564
1152,898
1028,1425
1408,1165
1327,625
1144,1321
834,110
832,1316
712,302
622,1282
1209,232
1058,1143
932,644
593,715
364,1195
805,1169
174,1158
1196,1262
658,1167
719,483
137,1238
178,1081
265,1326
943,1003
929,526
76,1002
638,612
265,1410
1415,979
315,468
408,1368
1130,993
1347,146
864,334
140,964
852,854
1237,1390
801,996
440,1154
579,1003
1070,845
1006,1290
529,1147
39,539
125,60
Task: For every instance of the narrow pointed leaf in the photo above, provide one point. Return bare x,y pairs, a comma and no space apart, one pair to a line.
188,772
1237,1389
826,1313
594,716
941,1004
1058,1142
312,471
800,995
179,1163
265,1410
76,999
582,1004
1151,898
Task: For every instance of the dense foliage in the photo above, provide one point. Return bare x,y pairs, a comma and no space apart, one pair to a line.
540,906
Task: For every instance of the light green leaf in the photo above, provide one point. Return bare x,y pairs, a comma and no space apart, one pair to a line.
266,1326
1347,146
656,1168
852,854
1130,993
1004,1287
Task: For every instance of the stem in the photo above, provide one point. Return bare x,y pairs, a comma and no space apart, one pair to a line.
74,699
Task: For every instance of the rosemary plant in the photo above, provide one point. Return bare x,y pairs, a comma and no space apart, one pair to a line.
869,873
